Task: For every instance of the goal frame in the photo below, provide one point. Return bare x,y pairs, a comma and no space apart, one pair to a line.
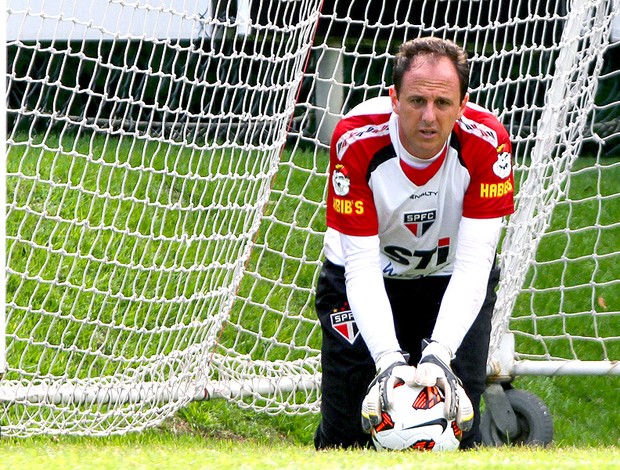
502,364
301,375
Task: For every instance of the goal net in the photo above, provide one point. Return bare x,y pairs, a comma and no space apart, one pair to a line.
165,182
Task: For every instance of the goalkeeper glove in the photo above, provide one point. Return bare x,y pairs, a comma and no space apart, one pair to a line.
434,369
392,369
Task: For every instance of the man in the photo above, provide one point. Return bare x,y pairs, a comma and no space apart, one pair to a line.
419,184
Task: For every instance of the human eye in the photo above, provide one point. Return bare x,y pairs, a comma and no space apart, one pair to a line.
443,103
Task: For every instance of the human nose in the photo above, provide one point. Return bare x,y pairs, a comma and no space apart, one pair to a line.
428,113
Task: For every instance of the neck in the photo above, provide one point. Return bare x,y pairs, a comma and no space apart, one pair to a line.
416,162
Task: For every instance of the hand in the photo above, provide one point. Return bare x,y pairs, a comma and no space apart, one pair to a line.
392,369
434,369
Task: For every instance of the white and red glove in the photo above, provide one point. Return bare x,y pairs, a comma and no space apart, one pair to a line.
434,369
392,369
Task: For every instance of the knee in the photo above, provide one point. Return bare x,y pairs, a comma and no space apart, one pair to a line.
339,440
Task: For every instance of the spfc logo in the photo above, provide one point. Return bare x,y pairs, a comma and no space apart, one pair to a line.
419,222
345,325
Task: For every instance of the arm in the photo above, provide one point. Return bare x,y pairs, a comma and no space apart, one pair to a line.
459,308
367,296
475,252
464,296
373,314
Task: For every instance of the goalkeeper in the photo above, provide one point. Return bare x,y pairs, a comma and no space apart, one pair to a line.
419,183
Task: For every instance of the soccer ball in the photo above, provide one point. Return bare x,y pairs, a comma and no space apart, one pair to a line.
416,420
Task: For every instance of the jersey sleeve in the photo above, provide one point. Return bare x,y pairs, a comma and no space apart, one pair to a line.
350,205
491,190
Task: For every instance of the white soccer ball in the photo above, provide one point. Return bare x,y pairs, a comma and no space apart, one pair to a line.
416,420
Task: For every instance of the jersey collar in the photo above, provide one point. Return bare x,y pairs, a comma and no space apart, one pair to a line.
421,176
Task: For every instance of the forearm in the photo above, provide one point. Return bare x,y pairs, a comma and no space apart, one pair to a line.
476,249
367,296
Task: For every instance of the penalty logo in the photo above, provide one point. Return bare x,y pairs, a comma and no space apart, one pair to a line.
344,324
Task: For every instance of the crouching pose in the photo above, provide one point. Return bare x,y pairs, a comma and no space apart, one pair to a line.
419,183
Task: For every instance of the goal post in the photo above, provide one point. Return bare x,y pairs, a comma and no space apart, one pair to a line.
165,184
3,363
560,131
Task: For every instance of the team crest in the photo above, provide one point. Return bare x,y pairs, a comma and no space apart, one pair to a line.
344,324
340,180
418,223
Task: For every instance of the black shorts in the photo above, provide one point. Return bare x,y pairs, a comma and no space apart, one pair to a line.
347,367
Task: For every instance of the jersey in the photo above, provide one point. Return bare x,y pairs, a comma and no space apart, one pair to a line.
415,212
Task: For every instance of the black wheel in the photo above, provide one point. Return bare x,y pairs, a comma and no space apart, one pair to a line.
534,422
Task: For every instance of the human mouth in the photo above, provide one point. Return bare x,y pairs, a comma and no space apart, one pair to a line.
428,132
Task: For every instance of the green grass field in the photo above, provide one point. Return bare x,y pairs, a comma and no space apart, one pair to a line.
214,434
192,452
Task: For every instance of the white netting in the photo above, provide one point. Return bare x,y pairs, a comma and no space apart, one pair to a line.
161,248
143,139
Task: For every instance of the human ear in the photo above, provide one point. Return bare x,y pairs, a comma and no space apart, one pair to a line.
394,99
463,105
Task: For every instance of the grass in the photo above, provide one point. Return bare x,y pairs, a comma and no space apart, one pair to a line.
216,434
177,446
146,452
569,303
582,408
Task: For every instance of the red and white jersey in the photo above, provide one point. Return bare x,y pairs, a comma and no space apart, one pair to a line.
415,212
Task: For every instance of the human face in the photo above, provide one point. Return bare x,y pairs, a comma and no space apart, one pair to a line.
428,104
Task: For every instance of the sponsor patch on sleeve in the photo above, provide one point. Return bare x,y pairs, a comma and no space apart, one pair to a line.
340,180
502,166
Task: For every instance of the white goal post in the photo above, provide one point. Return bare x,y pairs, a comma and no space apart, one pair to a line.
166,164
